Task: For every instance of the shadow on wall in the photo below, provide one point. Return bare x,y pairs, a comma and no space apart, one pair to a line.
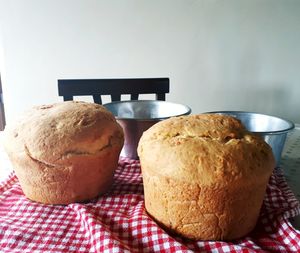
2,116
274,100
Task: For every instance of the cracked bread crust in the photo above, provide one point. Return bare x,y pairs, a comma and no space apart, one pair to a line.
65,152
204,176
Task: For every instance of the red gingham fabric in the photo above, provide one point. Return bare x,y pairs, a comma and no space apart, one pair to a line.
117,222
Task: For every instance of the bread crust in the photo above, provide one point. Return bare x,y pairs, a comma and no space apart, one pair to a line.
204,176
65,152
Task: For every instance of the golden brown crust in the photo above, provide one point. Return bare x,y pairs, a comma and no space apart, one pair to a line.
64,152
204,175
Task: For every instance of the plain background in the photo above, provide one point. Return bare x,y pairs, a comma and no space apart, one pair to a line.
218,54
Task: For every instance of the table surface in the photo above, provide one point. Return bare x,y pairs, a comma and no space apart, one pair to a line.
290,163
290,160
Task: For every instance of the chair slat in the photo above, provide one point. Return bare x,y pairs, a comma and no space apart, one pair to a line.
97,99
134,96
115,97
161,96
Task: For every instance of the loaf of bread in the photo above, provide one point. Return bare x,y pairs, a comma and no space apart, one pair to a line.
65,152
204,176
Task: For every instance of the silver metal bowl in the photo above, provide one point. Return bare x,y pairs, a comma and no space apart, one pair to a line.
136,116
273,129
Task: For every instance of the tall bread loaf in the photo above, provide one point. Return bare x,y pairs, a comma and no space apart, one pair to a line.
204,176
64,152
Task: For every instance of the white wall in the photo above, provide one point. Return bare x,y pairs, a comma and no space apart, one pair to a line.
219,55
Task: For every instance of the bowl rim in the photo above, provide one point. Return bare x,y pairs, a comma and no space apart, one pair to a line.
188,109
290,127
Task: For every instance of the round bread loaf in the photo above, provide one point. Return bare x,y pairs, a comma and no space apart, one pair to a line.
204,176
65,152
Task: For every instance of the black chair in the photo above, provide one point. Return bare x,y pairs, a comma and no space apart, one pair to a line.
68,88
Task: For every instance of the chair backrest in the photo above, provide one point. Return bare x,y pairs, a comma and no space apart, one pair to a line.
68,88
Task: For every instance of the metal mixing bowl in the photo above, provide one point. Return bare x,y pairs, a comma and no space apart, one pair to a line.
273,129
136,116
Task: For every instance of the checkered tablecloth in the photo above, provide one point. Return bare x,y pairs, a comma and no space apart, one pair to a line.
117,222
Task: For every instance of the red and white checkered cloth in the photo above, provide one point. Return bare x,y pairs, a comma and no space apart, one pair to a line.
117,222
